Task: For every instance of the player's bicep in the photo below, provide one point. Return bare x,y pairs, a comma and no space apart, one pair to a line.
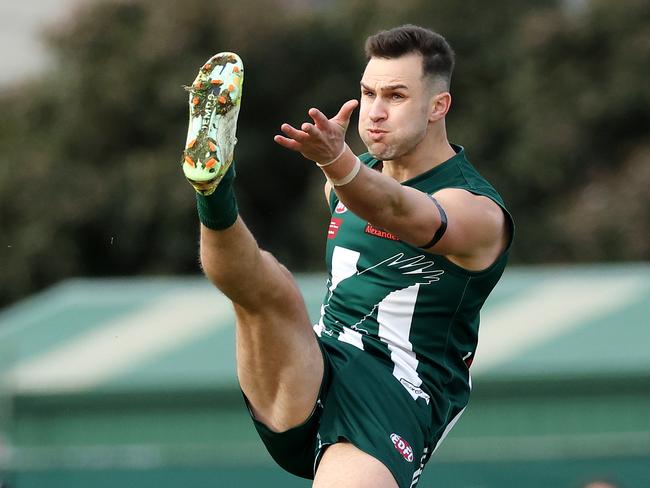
412,216
474,223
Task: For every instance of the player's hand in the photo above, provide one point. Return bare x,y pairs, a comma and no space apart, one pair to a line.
321,141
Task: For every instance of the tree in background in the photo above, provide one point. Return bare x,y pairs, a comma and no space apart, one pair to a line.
91,181
581,154
550,102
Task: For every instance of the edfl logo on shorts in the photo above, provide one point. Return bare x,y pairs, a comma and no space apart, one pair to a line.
402,447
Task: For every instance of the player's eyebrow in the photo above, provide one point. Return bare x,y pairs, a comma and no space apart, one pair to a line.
396,86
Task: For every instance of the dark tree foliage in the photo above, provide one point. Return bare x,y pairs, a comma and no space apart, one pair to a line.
550,102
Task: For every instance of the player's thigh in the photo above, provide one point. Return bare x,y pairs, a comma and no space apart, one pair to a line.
345,466
279,362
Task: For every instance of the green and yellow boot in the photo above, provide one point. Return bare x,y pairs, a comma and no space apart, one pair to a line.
214,102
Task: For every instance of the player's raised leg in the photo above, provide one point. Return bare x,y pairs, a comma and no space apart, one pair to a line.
279,363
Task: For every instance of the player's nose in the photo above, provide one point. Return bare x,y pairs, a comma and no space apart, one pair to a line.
377,110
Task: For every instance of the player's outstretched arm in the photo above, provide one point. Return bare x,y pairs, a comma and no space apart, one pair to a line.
475,224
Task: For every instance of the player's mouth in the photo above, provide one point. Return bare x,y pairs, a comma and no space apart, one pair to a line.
376,134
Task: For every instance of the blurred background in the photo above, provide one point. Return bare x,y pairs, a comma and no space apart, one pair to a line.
112,371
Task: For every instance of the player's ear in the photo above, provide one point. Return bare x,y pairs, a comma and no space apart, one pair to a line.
440,105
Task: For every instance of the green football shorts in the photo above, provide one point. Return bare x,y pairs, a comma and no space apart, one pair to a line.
361,402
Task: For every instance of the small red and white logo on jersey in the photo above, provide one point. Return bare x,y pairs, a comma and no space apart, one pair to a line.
375,231
340,208
335,225
402,447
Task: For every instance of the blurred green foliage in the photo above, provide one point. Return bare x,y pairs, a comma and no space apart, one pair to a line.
550,101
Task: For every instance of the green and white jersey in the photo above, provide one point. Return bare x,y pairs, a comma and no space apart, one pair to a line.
415,311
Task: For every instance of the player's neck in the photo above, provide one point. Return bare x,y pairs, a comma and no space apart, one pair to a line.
431,152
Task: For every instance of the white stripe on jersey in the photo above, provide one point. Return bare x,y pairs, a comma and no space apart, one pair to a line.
395,315
351,337
344,265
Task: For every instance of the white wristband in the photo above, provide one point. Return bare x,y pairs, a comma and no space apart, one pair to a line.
335,159
349,177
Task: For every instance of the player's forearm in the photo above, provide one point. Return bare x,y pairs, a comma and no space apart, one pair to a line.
379,199
371,196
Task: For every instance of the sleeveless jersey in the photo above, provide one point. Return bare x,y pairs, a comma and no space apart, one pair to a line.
415,311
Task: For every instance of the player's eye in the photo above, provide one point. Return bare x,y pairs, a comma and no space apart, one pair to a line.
368,93
397,96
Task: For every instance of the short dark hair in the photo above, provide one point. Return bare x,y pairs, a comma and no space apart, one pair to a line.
438,58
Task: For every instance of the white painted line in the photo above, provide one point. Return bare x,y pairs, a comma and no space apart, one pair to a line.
33,312
121,344
548,310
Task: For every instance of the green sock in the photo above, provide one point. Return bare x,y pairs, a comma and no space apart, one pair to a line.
219,210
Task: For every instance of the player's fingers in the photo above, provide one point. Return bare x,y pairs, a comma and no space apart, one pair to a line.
288,143
343,117
319,117
294,133
310,129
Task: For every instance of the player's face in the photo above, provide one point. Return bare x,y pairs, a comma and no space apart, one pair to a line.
395,106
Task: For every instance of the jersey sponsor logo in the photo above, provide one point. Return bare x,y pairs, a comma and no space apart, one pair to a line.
403,447
335,225
418,392
340,208
375,231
